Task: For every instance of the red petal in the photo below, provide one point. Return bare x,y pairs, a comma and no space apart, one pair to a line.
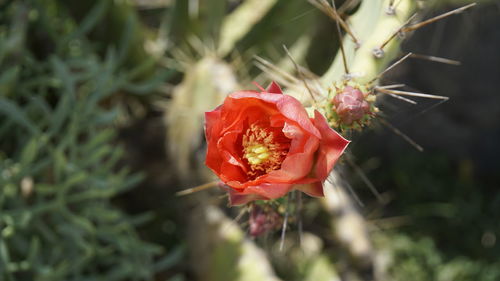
293,110
231,174
313,189
228,149
290,107
298,163
212,120
213,126
332,146
264,191
236,199
269,190
274,88
242,94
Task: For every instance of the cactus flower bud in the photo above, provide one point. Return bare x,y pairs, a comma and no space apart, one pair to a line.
263,220
350,105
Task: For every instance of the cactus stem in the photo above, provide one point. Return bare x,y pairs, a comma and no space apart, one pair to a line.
373,29
391,10
378,53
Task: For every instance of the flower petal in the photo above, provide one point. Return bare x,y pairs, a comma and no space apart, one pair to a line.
232,175
264,191
213,126
313,189
290,107
269,190
228,148
293,110
237,198
296,165
274,88
331,148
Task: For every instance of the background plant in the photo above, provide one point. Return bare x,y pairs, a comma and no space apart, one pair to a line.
60,166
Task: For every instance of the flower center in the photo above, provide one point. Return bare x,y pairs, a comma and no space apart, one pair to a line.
264,149
256,154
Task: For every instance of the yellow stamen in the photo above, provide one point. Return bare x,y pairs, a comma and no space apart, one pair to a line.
262,151
254,160
259,149
263,156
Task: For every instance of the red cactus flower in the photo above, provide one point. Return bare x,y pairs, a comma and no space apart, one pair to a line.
350,105
262,145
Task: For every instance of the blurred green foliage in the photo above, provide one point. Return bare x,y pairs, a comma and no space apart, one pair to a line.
419,260
449,223
60,95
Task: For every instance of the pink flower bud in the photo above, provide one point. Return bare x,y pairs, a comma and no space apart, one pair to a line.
350,105
263,220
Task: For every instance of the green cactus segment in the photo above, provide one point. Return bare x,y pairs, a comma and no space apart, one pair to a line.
372,26
322,270
237,24
221,252
205,85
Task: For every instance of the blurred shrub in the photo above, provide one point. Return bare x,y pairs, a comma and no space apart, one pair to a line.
58,160
419,260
